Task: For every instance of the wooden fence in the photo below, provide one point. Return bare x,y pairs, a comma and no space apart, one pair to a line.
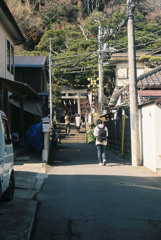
119,135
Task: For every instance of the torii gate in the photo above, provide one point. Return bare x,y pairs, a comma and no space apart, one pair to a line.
74,94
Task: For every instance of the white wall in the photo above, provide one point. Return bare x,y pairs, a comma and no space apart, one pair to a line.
149,137
4,35
158,137
122,69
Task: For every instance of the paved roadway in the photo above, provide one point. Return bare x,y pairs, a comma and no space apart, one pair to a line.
82,200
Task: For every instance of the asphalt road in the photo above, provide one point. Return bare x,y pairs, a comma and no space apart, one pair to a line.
82,200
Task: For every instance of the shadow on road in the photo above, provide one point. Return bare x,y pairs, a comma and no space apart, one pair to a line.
80,154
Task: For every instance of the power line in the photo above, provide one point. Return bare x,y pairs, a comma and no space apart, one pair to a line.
72,56
143,37
82,68
77,60
74,72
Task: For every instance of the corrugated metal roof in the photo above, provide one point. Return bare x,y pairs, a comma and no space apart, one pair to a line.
150,79
30,61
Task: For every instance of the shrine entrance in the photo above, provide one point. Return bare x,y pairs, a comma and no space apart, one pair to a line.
71,103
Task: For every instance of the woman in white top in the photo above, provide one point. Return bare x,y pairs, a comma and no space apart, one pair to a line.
101,134
78,122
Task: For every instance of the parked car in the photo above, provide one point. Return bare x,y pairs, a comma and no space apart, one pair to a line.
7,182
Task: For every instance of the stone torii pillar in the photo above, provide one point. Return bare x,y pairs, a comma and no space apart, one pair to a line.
78,103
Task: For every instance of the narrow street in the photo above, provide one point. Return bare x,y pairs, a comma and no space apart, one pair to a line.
82,200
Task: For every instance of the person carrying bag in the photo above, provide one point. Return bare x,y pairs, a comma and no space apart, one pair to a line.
101,134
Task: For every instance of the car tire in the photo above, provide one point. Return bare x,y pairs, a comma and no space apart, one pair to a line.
9,192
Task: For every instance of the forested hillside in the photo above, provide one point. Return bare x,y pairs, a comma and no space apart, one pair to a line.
72,26
38,16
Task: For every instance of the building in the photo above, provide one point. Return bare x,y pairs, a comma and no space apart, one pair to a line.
10,89
31,71
10,35
149,85
120,92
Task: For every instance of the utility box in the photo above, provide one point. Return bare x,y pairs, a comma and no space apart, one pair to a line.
46,124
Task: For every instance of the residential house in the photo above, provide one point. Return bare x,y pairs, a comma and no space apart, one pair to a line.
10,35
122,77
120,93
149,85
149,99
30,70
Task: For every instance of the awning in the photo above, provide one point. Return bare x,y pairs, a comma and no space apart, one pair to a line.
18,88
33,106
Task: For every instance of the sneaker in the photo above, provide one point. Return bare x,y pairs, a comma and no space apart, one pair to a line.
104,162
100,164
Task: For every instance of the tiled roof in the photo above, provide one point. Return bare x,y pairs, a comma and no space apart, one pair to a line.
150,79
124,56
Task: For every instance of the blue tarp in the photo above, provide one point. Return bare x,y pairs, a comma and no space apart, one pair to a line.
34,137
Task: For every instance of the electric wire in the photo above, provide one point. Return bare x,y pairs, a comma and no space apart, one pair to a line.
117,29
143,37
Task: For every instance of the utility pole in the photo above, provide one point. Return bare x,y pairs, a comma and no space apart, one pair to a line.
134,117
100,70
50,82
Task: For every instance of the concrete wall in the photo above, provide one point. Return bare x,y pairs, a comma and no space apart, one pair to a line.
151,136
4,36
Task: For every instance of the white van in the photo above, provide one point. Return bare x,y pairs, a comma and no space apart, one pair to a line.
7,182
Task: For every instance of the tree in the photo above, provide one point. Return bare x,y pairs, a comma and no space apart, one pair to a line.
74,44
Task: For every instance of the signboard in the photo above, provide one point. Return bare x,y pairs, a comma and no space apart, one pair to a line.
45,125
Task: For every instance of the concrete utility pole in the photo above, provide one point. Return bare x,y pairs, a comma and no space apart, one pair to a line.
134,117
100,69
50,82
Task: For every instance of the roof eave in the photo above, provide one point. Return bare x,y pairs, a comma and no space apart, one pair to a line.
9,22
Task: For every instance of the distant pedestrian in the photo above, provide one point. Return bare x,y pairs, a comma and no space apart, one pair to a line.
101,134
78,122
67,121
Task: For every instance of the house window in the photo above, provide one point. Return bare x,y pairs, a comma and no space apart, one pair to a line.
10,57
122,73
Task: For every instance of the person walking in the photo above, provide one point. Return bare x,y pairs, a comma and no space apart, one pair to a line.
67,121
101,134
78,122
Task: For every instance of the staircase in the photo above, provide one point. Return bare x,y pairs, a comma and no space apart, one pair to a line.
73,136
